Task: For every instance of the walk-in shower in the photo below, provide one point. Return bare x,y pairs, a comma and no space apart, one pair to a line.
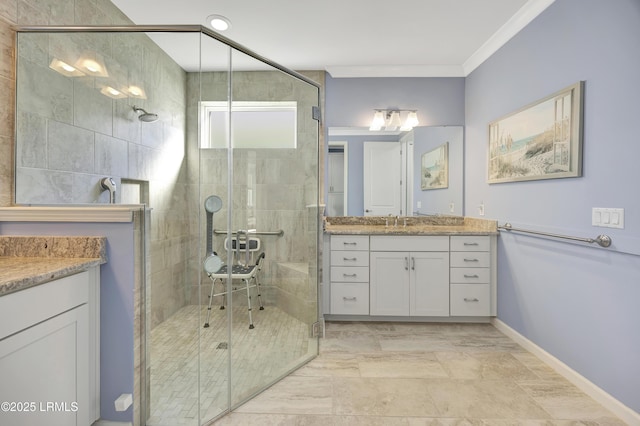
210,100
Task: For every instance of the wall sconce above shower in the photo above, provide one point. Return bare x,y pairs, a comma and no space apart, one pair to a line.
391,120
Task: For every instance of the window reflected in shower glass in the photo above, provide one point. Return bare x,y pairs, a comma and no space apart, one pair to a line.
254,124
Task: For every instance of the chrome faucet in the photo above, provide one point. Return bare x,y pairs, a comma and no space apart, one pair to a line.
109,184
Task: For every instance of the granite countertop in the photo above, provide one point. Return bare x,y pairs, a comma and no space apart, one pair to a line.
415,225
27,261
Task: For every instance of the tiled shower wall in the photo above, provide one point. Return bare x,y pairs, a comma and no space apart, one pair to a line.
72,135
284,181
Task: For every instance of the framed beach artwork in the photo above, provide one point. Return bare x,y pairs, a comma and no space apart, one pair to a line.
434,170
543,140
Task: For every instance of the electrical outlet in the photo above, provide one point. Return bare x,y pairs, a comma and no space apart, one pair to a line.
451,207
419,204
481,209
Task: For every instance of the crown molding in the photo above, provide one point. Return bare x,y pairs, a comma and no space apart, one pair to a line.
395,71
518,21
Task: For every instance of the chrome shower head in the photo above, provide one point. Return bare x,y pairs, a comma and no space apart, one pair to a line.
147,117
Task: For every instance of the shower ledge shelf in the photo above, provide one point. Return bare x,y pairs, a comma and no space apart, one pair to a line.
119,213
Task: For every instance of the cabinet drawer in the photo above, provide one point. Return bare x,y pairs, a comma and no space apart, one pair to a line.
349,242
350,298
470,275
409,243
470,300
470,259
470,243
349,258
354,274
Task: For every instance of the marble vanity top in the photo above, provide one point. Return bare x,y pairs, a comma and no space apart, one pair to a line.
415,225
27,261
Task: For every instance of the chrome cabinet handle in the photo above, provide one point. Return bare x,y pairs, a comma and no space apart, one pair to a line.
466,299
413,263
347,243
349,275
406,263
349,259
471,276
470,244
349,299
471,260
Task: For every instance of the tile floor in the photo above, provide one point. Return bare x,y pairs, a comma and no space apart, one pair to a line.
421,374
276,345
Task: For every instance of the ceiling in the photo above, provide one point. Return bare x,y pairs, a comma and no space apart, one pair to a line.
351,38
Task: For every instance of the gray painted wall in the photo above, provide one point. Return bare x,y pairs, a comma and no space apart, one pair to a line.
578,303
350,103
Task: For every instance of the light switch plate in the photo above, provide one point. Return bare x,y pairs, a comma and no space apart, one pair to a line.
607,217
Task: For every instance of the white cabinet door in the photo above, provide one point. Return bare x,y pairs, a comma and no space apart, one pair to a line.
409,283
47,366
429,284
389,283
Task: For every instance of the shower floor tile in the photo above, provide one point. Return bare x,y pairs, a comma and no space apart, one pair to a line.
276,345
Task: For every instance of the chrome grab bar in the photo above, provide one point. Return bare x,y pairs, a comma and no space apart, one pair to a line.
602,240
279,232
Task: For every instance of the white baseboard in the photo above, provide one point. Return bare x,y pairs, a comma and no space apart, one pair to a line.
110,423
609,402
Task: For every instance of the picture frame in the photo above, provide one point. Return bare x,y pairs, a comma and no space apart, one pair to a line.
434,168
542,140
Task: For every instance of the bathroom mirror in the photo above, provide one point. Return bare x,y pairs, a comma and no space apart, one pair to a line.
346,147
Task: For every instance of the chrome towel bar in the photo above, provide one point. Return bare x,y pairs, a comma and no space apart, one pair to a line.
602,240
279,232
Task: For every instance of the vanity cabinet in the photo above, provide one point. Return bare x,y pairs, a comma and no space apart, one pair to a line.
409,275
49,352
350,274
471,276
444,277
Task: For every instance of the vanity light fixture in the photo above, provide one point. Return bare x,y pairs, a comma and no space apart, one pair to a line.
219,22
390,120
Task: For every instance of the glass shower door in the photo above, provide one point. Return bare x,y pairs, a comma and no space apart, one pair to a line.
274,185
258,152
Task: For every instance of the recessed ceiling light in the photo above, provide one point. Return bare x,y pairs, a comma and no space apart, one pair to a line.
219,22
